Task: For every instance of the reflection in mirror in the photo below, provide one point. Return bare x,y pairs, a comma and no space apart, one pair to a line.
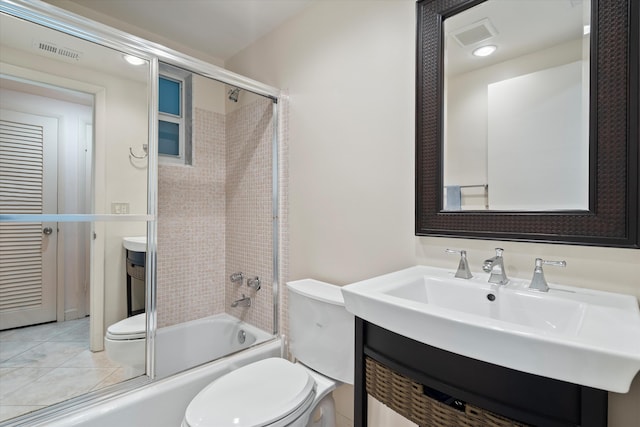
516,121
50,346
39,61
70,113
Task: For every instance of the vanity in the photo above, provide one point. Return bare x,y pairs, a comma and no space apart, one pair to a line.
440,385
443,350
135,258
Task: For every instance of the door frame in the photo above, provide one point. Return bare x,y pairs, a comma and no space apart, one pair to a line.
97,235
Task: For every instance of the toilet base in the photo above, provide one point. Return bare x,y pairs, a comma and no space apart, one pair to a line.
324,415
129,354
132,372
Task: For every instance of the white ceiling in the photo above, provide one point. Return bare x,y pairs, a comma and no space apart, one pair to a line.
523,26
20,35
219,28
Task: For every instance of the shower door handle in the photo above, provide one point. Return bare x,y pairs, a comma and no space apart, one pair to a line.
47,230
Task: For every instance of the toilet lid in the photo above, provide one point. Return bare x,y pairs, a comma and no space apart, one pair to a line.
131,328
255,395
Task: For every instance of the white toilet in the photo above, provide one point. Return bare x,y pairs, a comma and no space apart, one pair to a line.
125,344
275,392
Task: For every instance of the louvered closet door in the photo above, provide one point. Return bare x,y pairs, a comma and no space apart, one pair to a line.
28,185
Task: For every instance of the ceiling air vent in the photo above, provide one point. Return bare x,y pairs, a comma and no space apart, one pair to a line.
475,33
53,50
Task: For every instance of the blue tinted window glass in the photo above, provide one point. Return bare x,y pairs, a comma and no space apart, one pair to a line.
168,138
169,96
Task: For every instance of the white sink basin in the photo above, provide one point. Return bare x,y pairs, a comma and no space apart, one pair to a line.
547,315
582,336
136,244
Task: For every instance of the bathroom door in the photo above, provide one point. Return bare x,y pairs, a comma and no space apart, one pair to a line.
28,250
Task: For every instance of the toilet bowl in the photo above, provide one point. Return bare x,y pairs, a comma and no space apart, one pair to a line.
125,344
277,393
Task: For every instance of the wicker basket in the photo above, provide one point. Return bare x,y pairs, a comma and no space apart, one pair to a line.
135,271
407,398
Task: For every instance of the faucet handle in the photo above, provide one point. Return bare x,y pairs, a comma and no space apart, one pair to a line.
540,262
538,281
254,282
237,277
499,252
463,271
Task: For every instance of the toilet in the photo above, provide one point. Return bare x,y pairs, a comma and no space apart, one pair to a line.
125,342
275,392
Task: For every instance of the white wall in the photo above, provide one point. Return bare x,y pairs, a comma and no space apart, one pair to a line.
208,94
349,68
537,153
466,119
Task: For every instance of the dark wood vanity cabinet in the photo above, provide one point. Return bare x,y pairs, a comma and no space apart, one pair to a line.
525,398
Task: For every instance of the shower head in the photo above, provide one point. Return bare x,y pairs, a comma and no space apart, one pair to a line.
233,94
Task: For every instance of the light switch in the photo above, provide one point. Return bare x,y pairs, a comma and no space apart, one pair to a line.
120,208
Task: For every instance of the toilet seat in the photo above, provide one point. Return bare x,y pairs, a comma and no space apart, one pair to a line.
131,328
271,392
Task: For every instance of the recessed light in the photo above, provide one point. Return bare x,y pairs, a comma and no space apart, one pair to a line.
485,50
133,60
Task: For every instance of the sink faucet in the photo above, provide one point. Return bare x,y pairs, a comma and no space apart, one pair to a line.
538,282
242,302
495,266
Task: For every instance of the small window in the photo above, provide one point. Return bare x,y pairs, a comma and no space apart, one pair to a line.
174,115
170,96
169,138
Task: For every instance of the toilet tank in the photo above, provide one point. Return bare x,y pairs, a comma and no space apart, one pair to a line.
321,330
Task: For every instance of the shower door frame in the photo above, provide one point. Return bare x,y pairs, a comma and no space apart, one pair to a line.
78,26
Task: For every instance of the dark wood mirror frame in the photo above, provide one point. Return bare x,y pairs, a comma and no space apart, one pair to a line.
613,215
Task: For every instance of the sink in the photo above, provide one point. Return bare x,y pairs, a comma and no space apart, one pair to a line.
547,315
572,334
135,244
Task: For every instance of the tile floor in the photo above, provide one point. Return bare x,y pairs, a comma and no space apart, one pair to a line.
46,364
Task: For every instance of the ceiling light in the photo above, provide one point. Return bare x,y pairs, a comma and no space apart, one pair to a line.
133,60
485,50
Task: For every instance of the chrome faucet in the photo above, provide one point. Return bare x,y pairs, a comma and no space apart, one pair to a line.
495,266
538,282
254,282
237,277
463,271
242,302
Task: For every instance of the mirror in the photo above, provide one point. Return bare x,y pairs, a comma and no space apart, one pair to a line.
55,64
74,118
516,106
605,213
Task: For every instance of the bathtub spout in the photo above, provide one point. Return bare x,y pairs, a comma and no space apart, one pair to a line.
242,302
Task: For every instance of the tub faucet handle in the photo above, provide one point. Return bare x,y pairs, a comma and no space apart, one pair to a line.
463,271
237,277
254,282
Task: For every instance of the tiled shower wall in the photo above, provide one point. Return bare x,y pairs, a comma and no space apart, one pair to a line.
191,227
215,218
249,209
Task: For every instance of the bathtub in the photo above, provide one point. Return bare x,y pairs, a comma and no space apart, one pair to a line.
193,343
162,403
